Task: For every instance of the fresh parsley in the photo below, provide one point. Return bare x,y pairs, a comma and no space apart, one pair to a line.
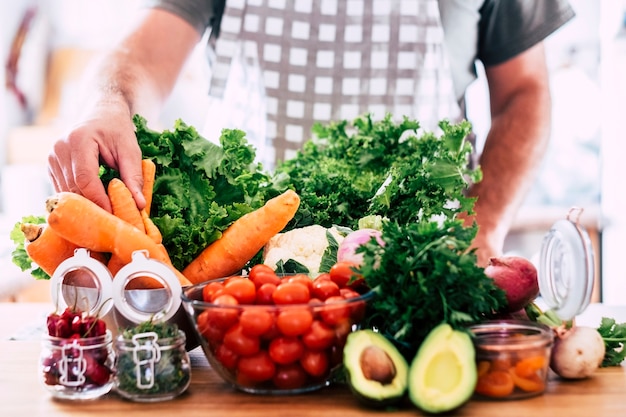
614,336
424,275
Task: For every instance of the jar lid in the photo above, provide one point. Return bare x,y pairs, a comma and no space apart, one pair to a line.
567,267
139,305
83,282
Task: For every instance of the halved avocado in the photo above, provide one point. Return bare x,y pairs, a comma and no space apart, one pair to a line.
377,372
442,375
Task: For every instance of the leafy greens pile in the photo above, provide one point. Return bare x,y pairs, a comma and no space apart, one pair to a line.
385,168
200,187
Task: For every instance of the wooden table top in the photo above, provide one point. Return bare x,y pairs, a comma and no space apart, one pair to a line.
22,394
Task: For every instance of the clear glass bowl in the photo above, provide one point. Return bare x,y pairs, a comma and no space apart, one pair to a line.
512,358
150,369
77,368
299,352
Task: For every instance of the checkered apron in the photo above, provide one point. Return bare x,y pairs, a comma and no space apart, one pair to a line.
278,66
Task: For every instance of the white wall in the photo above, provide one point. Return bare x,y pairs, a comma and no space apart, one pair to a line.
613,150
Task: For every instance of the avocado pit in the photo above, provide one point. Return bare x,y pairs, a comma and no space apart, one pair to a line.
376,365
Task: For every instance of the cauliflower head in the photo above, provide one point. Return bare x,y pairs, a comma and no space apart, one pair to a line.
305,245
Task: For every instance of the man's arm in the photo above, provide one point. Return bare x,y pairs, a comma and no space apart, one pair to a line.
517,140
135,77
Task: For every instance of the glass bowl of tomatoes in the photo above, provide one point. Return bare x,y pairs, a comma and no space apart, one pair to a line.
267,333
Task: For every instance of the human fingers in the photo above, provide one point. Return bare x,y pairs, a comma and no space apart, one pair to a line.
73,165
129,166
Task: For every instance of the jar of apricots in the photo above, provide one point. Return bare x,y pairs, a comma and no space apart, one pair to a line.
512,358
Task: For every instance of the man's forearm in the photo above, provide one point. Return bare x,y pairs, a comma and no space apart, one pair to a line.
510,160
142,70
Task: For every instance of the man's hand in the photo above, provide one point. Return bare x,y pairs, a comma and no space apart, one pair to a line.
74,162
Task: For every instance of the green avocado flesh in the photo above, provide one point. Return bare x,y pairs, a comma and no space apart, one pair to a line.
377,372
442,375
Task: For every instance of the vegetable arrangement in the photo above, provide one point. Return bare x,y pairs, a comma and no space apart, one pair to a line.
200,188
392,194
194,190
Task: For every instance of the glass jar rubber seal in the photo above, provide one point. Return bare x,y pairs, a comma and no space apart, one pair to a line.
82,282
142,305
566,270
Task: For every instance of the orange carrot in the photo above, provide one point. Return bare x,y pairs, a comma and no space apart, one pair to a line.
151,229
115,264
123,204
45,247
124,207
243,239
84,223
148,171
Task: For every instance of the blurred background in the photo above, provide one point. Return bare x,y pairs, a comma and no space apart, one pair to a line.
45,46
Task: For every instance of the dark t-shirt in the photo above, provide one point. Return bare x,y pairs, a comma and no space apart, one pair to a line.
491,31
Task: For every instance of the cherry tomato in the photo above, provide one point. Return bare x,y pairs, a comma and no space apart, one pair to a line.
342,330
272,333
223,317
335,355
242,289
290,376
357,308
294,321
241,343
226,356
285,350
261,274
256,321
342,273
244,381
265,293
324,288
209,330
495,384
335,310
315,301
291,293
302,279
315,362
210,289
257,367
319,336
323,276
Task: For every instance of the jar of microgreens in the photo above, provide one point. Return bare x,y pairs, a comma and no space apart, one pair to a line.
152,363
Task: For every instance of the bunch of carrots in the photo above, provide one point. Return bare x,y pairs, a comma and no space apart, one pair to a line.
76,222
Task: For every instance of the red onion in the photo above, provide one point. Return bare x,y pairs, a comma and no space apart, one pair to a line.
517,277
